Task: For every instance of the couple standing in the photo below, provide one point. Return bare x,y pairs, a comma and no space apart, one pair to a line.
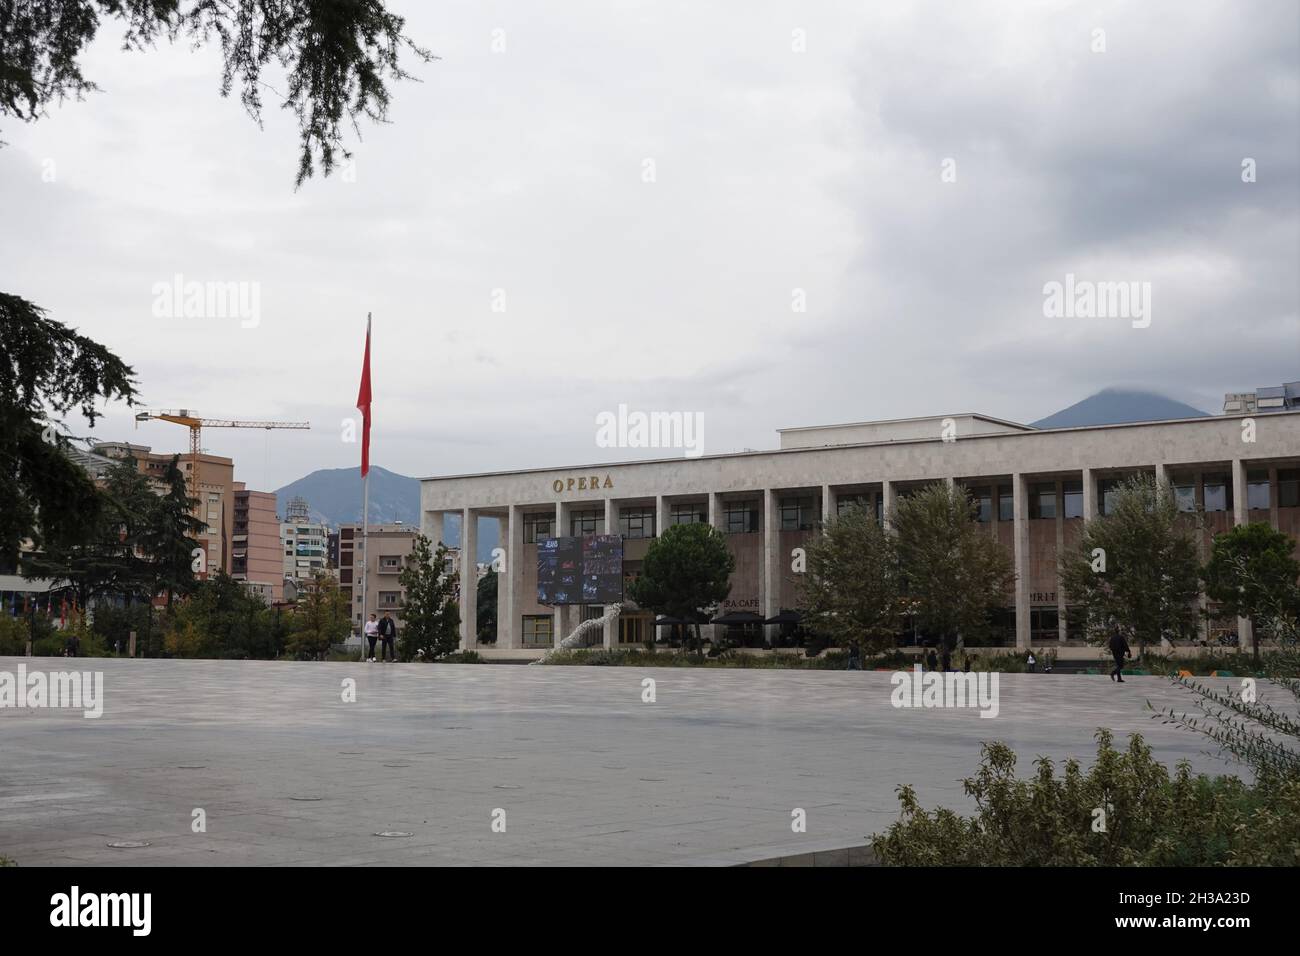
385,629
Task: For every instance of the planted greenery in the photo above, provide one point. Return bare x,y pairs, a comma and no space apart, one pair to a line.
1127,810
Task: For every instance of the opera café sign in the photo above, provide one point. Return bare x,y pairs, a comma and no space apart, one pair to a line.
580,483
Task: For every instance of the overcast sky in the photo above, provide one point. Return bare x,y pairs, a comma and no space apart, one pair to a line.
775,169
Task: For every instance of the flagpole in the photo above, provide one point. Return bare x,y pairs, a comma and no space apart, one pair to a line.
365,505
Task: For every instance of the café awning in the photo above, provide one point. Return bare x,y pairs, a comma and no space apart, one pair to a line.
739,617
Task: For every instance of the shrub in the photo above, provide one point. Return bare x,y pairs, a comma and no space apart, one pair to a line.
1126,811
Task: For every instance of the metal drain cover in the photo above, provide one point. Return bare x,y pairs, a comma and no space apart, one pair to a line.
392,833
507,786
191,766
306,799
129,844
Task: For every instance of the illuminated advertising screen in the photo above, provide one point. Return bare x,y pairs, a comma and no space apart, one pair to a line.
580,570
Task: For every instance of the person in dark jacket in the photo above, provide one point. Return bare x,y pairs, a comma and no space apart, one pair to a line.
1119,650
947,660
387,632
932,660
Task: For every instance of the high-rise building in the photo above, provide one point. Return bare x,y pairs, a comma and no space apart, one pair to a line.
255,543
304,542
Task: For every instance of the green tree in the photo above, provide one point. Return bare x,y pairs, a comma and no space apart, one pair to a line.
685,574
955,574
486,608
338,56
322,618
1252,572
46,371
169,536
1137,565
852,588
430,617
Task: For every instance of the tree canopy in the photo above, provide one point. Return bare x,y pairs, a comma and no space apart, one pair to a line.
338,56
686,572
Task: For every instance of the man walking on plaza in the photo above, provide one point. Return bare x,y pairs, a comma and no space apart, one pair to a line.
1119,650
387,631
372,632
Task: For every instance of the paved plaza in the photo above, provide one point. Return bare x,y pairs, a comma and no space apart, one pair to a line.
288,773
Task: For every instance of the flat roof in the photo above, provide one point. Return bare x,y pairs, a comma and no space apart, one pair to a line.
678,459
903,421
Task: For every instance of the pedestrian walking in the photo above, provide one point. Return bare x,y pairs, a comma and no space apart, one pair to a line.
372,634
932,660
1119,650
387,633
1031,663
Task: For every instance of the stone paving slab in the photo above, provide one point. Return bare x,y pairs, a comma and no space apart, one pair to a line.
586,772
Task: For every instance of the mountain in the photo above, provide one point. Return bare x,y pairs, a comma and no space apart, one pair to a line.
334,496
1112,406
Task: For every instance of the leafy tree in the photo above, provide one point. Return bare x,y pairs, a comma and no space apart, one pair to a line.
106,560
1252,572
1138,565
487,607
852,588
169,538
954,573
686,573
430,616
46,371
321,619
338,56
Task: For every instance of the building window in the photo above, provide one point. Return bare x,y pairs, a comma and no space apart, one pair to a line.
1107,489
537,526
846,503
390,598
389,563
1042,500
740,516
1072,492
632,630
585,522
1218,493
1006,504
796,514
538,630
1288,488
1257,490
691,513
636,522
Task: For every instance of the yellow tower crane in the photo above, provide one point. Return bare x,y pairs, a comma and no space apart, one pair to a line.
195,424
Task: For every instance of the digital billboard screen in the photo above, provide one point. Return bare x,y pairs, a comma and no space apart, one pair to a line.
580,570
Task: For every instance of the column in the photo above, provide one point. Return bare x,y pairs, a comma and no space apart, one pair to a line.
661,515
1240,516
509,622
890,495
468,579
714,631
1061,630
1089,495
771,555
611,527
1162,478
1272,497
1202,601
559,609
1020,518
828,504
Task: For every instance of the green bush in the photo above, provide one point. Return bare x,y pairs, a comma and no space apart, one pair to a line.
1150,817
460,657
